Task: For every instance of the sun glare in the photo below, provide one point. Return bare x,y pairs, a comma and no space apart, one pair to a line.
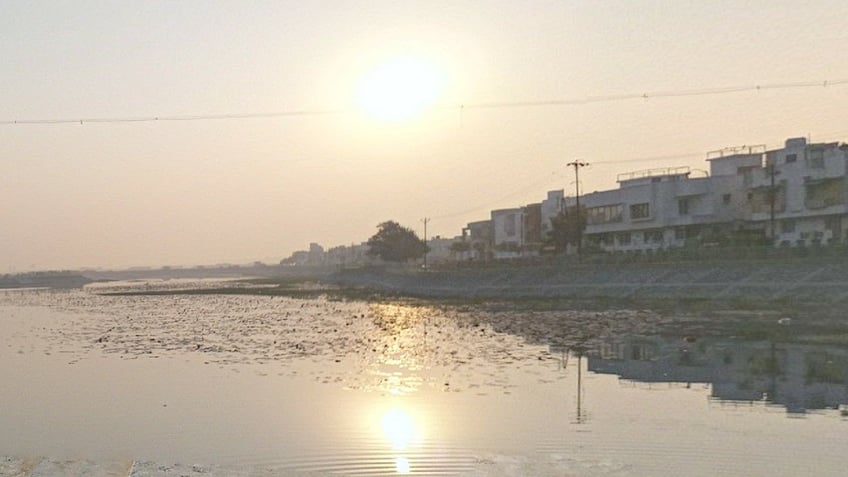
399,428
400,90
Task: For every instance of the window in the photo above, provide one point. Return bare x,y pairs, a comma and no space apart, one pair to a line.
604,214
725,199
653,236
683,207
623,238
824,193
791,157
640,211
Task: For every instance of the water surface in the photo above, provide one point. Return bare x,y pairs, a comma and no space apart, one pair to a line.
397,388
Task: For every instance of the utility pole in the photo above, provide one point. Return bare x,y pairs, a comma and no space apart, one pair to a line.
425,220
581,351
772,199
580,417
577,165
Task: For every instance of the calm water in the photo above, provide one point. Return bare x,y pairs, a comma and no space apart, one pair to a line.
390,388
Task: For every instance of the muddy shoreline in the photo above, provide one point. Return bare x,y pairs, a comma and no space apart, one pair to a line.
672,310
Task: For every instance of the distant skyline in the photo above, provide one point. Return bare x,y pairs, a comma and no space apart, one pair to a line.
237,190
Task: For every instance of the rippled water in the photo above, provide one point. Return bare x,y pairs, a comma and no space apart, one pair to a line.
394,388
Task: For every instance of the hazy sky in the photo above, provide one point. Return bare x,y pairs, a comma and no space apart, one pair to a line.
201,192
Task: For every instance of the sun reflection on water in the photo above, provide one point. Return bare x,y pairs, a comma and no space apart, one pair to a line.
400,429
403,432
400,336
402,465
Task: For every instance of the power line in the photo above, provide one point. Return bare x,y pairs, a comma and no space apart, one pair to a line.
669,157
194,117
536,183
464,106
656,94
532,186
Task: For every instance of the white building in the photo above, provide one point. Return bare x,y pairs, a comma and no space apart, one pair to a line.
738,202
793,196
481,237
508,227
659,208
552,206
441,249
351,255
810,190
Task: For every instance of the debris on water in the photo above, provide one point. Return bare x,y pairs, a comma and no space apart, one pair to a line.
372,338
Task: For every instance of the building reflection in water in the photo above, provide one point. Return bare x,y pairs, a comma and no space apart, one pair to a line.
797,377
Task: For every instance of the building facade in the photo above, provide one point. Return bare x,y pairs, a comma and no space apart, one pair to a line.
793,196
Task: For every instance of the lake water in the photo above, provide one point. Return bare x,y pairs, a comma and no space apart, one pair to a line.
391,388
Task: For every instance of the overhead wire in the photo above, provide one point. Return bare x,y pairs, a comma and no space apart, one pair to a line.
670,157
463,106
193,117
534,185
515,193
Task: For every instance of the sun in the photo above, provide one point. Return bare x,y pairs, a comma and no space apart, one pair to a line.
400,89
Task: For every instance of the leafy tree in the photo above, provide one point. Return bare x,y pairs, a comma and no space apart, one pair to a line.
395,243
566,229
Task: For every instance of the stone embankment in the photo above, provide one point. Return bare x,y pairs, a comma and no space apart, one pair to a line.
757,282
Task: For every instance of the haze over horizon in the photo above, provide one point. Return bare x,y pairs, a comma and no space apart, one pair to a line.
345,157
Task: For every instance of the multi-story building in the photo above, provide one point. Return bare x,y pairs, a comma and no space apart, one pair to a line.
531,228
481,236
347,255
552,206
508,227
790,196
796,195
661,208
799,195
441,249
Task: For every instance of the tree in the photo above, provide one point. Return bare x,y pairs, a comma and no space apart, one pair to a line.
395,243
566,229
